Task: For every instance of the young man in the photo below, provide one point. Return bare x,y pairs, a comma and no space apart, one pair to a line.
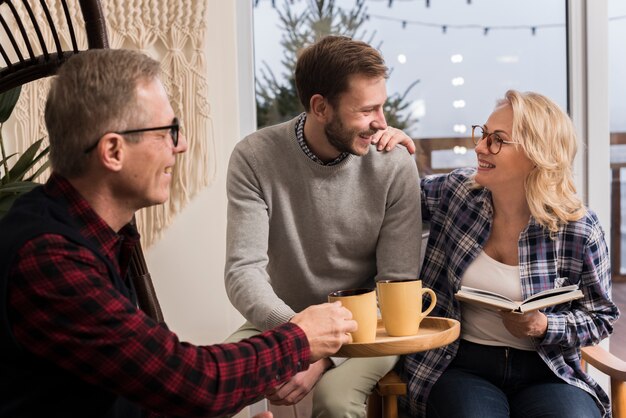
311,211
73,342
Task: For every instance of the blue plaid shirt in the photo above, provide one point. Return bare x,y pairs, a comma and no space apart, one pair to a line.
460,218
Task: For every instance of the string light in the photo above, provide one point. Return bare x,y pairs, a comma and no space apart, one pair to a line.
458,81
485,29
444,27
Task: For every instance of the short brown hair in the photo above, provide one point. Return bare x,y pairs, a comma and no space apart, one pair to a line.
326,66
94,92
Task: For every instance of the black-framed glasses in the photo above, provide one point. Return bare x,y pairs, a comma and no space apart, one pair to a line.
494,140
174,129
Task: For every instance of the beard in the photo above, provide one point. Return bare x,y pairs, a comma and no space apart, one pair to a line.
343,139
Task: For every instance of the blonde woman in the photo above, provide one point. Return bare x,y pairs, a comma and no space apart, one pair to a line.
513,225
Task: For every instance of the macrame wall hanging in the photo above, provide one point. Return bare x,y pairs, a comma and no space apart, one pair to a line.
172,32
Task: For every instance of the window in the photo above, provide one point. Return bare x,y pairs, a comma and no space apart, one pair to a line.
617,109
452,58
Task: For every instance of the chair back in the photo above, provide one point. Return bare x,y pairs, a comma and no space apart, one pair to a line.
28,58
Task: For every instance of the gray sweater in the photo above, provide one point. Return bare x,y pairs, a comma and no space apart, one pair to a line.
298,230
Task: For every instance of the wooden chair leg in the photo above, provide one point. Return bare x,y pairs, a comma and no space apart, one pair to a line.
374,405
618,398
390,406
383,402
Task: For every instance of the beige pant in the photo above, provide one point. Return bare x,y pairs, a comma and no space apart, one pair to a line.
343,390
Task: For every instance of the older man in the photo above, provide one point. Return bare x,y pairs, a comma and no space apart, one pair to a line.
73,341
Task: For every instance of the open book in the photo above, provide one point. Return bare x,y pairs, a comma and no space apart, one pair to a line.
539,300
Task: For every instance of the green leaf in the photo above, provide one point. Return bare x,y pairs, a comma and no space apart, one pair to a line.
40,170
12,184
8,99
26,161
16,187
7,159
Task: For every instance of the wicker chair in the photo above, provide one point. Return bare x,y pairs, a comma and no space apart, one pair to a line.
19,52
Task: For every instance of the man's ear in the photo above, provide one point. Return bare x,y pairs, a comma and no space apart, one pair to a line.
320,108
111,150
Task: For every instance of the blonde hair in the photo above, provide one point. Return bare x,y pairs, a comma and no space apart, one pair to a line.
547,136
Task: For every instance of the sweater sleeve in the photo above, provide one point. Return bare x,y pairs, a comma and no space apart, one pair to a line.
246,279
400,236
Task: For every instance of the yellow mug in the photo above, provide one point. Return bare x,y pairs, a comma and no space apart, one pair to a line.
400,304
362,304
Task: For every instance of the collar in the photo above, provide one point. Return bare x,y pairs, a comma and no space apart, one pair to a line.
305,148
89,223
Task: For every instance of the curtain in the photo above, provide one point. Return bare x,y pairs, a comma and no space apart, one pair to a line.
173,32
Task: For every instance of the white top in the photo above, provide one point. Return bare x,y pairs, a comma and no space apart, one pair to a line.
484,326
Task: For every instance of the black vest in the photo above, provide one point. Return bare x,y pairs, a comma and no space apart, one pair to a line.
31,386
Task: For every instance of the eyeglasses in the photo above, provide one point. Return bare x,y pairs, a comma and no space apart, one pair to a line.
494,141
174,128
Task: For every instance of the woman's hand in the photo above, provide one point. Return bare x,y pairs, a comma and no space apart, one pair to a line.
390,137
532,324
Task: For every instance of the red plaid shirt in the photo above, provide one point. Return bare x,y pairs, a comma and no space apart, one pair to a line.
63,307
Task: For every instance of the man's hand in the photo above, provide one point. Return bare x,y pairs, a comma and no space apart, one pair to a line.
292,391
327,326
390,137
532,324
266,414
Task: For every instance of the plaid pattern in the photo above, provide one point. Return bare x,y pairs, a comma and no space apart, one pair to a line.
460,221
64,309
307,150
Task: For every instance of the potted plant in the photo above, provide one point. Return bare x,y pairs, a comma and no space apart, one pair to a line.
15,179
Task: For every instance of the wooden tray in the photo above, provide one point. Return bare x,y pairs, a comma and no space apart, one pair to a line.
433,332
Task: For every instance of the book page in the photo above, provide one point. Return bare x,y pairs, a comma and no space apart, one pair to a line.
551,292
539,300
485,293
486,298
549,298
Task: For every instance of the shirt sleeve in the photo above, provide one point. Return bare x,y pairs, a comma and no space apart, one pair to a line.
432,190
590,319
63,307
